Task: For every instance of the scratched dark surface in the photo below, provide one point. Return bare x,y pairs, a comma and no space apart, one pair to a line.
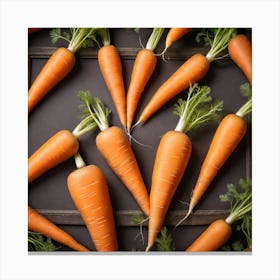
60,110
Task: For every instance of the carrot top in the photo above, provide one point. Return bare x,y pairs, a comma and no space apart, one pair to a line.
39,242
77,38
217,39
154,38
240,204
94,108
197,109
246,91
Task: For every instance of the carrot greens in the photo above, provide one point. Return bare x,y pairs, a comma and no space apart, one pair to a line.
217,39
196,109
77,38
39,242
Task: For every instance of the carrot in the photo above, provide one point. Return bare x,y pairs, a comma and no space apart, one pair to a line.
40,224
240,51
174,152
60,147
144,66
111,69
219,231
194,69
89,191
58,65
228,135
173,35
115,148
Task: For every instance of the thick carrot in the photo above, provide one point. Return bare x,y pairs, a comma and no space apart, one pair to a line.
115,148
38,223
111,68
173,155
175,34
60,147
214,237
144,66
219,231
89,191
228,135
240,51
58,65
194,69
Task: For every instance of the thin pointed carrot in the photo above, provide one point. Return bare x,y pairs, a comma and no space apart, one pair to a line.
89,190
191,71
58,65
240,51
40,224
175,34
143,68
115,148
173,155
111,68
228,135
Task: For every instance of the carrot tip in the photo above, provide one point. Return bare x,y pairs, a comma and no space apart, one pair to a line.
185,217
148,248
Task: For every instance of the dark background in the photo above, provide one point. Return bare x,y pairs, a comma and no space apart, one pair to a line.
60,110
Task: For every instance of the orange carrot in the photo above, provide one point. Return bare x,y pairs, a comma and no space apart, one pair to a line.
58,65
214,237
240,51
194,69
115,148
228,135
219,231
144,66
38,223
111,69
89,191
173,155
60,147
175,34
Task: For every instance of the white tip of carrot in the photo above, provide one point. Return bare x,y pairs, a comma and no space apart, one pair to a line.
185,217
148,248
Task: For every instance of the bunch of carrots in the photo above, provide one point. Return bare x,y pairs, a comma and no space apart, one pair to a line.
87,184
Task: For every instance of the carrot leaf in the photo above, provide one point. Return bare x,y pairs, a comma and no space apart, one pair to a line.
55,34
86,125
93,106
104,34
217,39
154,38
39,242
164,242
197,109
137,219
240,200
246,91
